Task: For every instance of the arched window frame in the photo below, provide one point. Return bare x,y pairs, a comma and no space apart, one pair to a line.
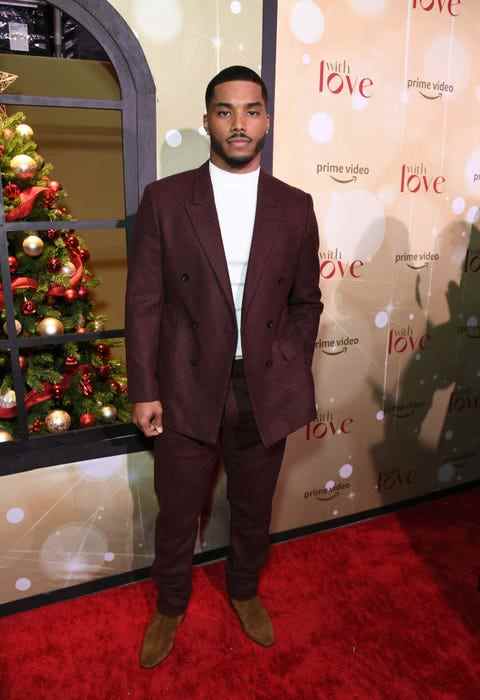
137,106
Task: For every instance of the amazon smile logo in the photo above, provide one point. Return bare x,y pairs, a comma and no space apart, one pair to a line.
430,90
343,173
336,346
417,261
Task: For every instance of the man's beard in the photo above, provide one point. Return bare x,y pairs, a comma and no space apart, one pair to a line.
236,161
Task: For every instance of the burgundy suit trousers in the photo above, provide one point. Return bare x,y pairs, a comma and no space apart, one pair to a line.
184,470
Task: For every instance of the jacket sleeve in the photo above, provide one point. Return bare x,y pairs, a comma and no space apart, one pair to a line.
144,303
304,301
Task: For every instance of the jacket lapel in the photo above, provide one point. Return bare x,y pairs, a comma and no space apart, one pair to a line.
203,215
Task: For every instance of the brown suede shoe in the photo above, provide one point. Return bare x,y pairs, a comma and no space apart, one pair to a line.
255,620
158,639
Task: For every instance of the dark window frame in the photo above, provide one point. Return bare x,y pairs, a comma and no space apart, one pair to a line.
138,112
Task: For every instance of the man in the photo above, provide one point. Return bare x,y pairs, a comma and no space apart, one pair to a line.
219,351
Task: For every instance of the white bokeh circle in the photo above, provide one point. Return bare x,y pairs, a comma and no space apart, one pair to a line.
321,127
15,515
23,584
359,103
381,319
109,556
174,138
330,485
236,7
160,21
307,22
345,471
458,205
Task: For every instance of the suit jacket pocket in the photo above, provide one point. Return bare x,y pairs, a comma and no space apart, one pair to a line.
289,347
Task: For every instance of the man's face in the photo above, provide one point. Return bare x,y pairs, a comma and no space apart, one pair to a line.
237,122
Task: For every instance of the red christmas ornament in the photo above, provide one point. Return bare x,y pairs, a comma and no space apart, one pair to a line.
71,241
71,295
57,391
54,185
2,150
49,199
70,363
84,254
86,386
36,426
103,350
22,362
82,292
54,264
12,264
81,329
114,386
104,371
87,420
52,234
29,307
12,191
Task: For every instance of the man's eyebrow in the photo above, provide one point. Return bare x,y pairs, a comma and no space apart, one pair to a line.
230,105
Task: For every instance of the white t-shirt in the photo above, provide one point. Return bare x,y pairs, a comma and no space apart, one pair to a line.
236,201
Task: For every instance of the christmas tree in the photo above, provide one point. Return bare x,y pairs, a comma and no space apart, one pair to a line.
67,386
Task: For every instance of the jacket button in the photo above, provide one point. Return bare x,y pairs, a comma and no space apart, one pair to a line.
269,324
194,324
185,277
268,363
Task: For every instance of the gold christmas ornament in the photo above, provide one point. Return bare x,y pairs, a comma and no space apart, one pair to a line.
8,134
108,413
5,436
50,326
25,131
8,399
33,246
68,269
18,327
58,421
23,166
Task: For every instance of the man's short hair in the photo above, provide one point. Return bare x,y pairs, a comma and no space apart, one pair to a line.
234,73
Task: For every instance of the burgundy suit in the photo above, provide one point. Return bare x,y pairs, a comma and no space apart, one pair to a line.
181,338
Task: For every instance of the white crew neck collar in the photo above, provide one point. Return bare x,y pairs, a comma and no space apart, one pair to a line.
227,176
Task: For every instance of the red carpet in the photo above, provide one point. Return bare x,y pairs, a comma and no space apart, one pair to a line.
384,609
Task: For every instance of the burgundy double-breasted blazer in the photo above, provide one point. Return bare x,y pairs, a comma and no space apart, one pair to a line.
181,331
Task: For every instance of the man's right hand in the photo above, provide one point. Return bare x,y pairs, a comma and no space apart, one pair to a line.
147,415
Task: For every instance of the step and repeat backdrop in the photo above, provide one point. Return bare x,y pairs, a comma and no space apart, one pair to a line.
376,105
376,115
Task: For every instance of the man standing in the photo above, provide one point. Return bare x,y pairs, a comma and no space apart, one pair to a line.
222,312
